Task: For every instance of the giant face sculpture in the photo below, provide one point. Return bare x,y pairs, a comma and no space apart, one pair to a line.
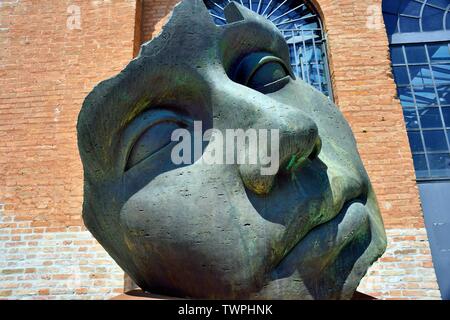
308,231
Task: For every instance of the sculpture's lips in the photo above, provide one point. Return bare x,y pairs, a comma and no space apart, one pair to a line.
315,196
337,216
326,239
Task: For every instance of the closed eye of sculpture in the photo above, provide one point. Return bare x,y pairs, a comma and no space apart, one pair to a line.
308,231
263,72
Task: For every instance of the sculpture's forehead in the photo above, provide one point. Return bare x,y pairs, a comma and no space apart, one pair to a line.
190,35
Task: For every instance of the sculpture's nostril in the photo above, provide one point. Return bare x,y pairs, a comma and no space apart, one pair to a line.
298,159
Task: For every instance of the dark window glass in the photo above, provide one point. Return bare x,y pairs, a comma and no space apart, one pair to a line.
441,73
420,75
430,117
406,97
401,75
435,140
440,3
432,19
415,141
425,96
439,164
408,24
397,55
446,114
444,95
411,8
416,54
410,118
439,52
390,21
391,7
420,165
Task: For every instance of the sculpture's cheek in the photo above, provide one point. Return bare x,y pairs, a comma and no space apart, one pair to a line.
196,233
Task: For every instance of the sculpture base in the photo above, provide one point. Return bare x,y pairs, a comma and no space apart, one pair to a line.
138,294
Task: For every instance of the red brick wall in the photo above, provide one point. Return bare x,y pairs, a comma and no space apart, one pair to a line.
46,70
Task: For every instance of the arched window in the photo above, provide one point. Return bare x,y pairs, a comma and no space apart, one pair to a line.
419,36
302,29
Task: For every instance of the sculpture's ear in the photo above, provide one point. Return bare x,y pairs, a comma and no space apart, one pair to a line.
235,12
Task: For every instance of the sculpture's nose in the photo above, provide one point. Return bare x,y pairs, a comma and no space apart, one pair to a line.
294,137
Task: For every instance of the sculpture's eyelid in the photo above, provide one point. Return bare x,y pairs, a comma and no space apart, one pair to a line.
249,65
145,121
287,67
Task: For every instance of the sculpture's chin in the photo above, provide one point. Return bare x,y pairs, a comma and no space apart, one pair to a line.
324,264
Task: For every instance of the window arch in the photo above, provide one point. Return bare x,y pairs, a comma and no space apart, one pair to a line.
416,15
419,36
302,29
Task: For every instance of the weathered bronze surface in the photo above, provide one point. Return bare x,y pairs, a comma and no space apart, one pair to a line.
310,231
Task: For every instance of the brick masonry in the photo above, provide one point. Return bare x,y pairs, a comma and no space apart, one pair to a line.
52,54
36,264
48,65
405,271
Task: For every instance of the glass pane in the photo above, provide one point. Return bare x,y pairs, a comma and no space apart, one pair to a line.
406,97
435,140
430,117
307,54
390,21
397,55
408,24
446,114
391,7
444,95
438,52
416,54
441,73
410,118
439,164
415,141
401,75
424,87
411,8
425,96
420,164
420,75
432,19
439,3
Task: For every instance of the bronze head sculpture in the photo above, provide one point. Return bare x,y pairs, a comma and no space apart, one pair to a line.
308,231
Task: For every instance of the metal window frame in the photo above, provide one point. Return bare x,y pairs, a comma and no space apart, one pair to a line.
424,38
423,4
